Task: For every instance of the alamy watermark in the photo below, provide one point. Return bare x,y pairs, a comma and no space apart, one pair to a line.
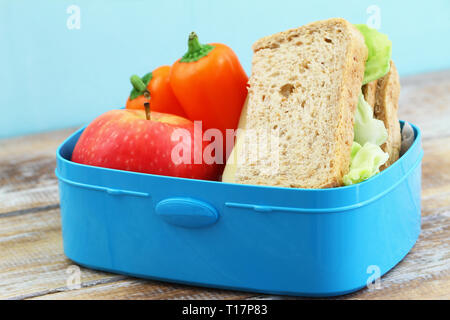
260,146
73,281
74,20
373,282
374,20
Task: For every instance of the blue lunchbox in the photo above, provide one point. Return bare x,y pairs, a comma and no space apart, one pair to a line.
303,242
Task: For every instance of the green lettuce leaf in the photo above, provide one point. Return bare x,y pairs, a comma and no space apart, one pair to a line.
355,148
366,128
380,50
365,163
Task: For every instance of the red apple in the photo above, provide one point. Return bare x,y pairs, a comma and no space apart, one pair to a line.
164,145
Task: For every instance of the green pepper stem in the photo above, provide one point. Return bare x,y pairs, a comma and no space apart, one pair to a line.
193,44
137,83
196,50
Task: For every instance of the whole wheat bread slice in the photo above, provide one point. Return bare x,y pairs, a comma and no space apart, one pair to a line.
305,84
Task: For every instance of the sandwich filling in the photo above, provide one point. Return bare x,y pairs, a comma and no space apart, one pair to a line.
369,133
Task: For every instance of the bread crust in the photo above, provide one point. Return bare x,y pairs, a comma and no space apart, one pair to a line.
369,91
351,89
386,110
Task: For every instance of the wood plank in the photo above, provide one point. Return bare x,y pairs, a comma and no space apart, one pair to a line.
32,258
425,271
33,264
423,274
425,101
36,144
28,183
27,167
436,166
144,290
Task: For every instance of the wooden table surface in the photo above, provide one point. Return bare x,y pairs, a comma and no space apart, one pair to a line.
33,265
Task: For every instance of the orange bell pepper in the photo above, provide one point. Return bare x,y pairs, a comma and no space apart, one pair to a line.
162,98
210,84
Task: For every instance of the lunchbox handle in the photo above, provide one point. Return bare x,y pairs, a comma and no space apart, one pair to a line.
111,191
187,212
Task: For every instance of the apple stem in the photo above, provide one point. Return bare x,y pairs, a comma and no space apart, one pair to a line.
147,105
140,86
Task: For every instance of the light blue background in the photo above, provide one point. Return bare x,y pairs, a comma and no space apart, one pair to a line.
52,77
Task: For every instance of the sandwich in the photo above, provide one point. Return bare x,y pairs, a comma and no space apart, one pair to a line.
327,94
